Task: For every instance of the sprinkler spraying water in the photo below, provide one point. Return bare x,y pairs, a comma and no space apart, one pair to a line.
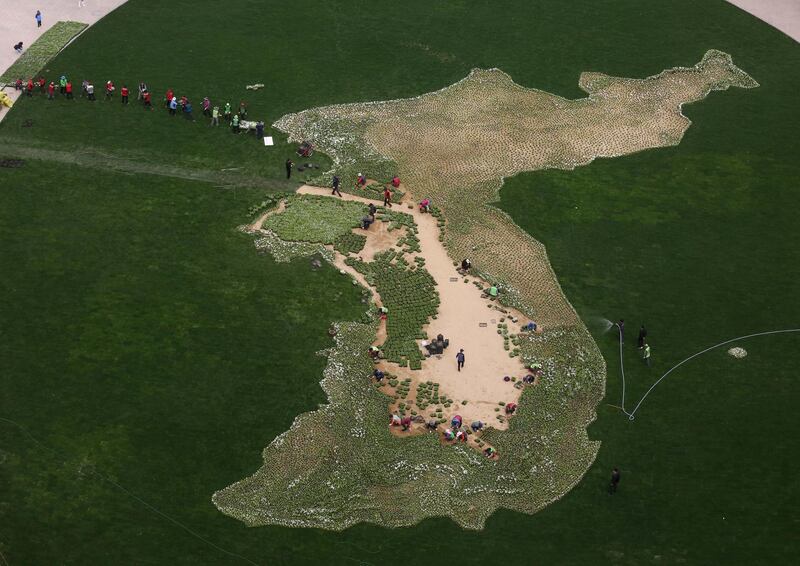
602,324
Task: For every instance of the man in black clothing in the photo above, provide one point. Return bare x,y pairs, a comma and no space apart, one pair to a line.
372,210
289,166
642,336
335,185
612,488
460,359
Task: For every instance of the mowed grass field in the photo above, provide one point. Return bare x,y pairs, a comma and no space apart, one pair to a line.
143,337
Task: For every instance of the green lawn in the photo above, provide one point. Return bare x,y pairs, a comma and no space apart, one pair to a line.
143,336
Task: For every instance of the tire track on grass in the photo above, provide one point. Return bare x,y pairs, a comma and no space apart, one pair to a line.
96,160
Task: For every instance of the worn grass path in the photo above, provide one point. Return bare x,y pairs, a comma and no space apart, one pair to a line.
95,159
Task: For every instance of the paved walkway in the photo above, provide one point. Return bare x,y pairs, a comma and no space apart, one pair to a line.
18,23
780,14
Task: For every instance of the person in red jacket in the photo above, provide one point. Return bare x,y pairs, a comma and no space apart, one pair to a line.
387,197
29,88
42,84
68,89
51,90
109,90
170,95
395,181
124,93
146,98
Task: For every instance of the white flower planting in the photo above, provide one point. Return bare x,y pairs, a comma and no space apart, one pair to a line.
737,352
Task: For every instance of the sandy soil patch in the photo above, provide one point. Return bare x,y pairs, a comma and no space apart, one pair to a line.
464,317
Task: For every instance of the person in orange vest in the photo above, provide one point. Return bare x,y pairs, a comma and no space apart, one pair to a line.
29,88
51,90
68,89
124,93
109,89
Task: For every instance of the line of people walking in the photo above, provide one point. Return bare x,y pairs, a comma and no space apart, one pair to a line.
63,86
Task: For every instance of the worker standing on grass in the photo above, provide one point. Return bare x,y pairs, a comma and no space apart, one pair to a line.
147,102
289,167
646,354
51,90
42,83
206,107
124,93
460,358
29,88
335,185
235,124
62,84
109,90
90,92
215,116
68,88
612,487
227,113
642,336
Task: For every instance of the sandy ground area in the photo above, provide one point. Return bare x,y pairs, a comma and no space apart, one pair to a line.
780,14
464,317
18,23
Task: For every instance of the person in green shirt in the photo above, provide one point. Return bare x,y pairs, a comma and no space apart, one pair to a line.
227,112
62,84
235,124
492,291
215,116
646,354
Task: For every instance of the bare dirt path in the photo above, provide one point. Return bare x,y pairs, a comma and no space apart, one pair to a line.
464,317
